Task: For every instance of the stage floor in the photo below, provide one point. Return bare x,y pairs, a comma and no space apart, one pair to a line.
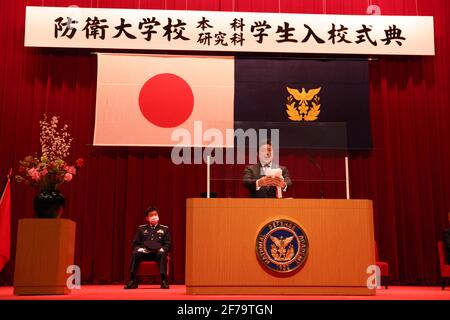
178,292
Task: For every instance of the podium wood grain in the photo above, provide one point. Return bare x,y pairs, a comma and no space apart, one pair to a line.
45,248
221,246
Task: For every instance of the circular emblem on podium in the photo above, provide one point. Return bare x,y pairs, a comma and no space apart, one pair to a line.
282,246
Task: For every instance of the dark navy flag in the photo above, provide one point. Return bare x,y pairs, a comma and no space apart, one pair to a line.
314,103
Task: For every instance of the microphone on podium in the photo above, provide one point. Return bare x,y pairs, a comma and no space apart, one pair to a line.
314,162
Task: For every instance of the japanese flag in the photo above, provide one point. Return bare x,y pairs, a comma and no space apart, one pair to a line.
143,99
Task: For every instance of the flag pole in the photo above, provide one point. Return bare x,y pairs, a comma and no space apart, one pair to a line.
208,172
347,180
8,178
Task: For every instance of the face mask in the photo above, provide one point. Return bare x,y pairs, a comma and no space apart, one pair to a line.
154,219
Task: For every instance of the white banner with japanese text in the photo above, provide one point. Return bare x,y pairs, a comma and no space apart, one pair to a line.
139,29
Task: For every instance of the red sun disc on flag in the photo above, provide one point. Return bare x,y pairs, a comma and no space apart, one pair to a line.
166,100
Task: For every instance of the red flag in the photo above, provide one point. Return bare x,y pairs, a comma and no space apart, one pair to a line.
5,223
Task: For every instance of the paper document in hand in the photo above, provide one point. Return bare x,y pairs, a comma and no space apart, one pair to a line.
274,172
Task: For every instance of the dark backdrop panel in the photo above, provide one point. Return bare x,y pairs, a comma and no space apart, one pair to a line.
344,119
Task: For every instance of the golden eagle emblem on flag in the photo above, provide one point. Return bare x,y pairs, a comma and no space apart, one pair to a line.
302,105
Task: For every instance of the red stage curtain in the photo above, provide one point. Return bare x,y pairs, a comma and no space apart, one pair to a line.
406,174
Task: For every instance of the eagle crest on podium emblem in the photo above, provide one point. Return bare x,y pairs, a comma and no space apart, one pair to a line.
282,246
303,105
282,249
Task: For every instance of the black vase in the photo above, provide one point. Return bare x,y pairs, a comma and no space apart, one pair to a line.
48,204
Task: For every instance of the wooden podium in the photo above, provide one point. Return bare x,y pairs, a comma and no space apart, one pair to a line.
45,248
221,237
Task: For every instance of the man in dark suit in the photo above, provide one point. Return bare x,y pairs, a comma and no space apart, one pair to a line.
151,243
257,177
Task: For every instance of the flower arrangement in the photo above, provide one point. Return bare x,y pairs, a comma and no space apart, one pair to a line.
50,169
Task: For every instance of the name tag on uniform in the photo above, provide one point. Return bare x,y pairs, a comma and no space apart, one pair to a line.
160,231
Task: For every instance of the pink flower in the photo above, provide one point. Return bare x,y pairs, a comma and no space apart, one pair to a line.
67,177
44,172
34,174
71,170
